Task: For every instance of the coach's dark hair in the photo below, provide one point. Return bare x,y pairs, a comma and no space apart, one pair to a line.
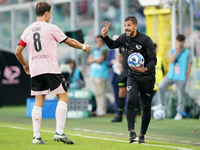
180,37
41,8
131,18
155,45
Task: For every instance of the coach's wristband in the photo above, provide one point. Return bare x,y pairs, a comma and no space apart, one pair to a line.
84,47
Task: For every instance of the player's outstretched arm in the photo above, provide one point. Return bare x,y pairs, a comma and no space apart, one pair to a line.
75,44
21,58
105,29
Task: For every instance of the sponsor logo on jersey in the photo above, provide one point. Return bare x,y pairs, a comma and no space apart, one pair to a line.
11,73
138,47
148,95
128,88
129,51
40,57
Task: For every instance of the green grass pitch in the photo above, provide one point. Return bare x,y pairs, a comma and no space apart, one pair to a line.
96,133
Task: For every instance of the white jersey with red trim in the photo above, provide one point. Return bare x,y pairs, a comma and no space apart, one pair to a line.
42,38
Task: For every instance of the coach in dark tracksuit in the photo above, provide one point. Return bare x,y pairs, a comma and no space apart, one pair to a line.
140,80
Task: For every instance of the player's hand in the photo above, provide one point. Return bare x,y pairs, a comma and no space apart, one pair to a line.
26,69
87,49
105,29
140,70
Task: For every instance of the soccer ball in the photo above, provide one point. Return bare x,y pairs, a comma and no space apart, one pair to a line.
135,60
159,114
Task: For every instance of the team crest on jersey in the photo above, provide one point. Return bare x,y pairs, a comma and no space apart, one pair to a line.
129,51
138,47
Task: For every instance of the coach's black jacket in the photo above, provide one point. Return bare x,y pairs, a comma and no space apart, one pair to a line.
140,43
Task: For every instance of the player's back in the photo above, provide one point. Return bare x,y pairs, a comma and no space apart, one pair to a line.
42,38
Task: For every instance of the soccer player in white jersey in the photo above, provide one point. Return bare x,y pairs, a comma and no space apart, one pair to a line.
41,37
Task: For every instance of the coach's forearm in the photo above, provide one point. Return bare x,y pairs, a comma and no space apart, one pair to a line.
151,65
110,43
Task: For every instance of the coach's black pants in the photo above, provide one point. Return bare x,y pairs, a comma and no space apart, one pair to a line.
143,85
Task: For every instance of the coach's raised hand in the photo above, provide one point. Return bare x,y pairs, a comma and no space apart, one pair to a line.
87,47
105,29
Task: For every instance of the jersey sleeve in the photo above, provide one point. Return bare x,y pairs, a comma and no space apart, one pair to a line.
59,35
23,36
112,44
22,41
150,49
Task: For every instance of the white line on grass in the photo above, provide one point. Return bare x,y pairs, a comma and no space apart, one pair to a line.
92,137
88,130
159,127
186,141
196,143
102,132
112,133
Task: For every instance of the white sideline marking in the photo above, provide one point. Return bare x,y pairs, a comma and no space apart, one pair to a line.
88,130
196,143
159,127
92,137
155,138
186,141
112,133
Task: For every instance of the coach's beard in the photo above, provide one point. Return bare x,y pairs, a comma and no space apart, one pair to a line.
131,34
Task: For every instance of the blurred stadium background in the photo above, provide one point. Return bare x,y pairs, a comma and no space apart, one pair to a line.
160,19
